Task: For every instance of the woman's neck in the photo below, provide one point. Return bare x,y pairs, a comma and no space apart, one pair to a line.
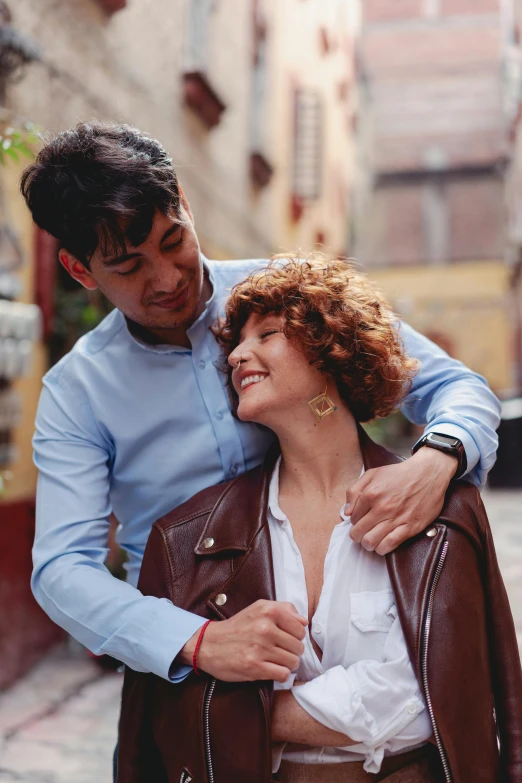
319,457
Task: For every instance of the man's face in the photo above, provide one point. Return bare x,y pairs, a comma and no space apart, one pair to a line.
158,284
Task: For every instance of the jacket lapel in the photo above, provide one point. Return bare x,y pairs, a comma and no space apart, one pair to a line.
238,523
412,566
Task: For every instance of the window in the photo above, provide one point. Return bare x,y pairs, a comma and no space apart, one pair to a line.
308,132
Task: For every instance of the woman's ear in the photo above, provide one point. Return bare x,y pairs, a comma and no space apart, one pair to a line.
77,270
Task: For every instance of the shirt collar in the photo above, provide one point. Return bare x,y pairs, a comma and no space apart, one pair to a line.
273,494
192,331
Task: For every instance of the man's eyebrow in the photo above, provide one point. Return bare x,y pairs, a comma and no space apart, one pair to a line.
170,231
129,256
120,259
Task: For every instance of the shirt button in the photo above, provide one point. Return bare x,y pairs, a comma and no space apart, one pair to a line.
219,415
233,469
201,364
412,708
318,628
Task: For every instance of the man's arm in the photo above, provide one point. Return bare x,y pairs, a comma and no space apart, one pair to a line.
391,504
70,580
108,616
448,397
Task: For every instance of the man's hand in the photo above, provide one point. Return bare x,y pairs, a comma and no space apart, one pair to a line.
391,504
262,642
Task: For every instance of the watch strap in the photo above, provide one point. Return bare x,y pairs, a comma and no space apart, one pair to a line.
448,444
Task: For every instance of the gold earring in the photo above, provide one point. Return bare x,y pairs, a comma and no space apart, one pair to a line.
322,405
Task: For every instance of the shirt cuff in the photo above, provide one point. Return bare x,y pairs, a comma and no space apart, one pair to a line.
169,630
338,706
454,431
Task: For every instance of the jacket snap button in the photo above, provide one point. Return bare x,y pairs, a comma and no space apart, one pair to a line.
221,599
208,543
431,532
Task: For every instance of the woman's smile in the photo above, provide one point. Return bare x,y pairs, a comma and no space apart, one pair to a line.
251,379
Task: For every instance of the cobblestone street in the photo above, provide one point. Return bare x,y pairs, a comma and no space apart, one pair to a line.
58,725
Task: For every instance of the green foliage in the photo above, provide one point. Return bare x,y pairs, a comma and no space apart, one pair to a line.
16,143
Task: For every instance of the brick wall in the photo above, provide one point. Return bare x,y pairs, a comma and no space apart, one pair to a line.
376,11
435,221
435,102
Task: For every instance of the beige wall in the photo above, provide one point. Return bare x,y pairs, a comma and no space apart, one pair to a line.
466,305
298,60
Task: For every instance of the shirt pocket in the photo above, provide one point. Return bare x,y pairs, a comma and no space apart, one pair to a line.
371,618
373,611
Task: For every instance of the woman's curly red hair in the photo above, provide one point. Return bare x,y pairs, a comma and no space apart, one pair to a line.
342,323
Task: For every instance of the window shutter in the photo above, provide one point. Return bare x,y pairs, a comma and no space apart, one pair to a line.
308,133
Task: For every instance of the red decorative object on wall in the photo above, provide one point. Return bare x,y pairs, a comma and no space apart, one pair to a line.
296,208
260,170
113,5
324,40
25,631
201,97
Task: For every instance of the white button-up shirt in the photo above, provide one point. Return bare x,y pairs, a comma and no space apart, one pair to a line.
364,686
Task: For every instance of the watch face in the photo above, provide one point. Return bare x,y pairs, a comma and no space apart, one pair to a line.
443,440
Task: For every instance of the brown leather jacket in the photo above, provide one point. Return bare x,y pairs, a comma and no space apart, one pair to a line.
451,601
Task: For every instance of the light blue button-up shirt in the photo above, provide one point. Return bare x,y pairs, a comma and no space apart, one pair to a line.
137,429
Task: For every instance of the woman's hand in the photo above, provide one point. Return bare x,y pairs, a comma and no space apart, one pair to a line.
391,504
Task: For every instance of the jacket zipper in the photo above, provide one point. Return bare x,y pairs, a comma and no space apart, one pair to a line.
206,729
424,663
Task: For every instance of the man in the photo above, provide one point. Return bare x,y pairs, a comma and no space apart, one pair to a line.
136,418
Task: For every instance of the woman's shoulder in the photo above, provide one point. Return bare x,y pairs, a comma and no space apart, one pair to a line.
464,510
199,505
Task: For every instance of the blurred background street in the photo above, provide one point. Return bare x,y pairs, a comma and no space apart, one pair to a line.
389,131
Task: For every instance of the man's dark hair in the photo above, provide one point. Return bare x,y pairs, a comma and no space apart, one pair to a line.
97,184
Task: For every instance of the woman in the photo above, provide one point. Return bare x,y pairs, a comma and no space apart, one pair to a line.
410,670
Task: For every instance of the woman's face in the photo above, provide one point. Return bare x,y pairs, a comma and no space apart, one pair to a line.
273,377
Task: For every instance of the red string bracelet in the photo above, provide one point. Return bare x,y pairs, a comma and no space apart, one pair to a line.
198,645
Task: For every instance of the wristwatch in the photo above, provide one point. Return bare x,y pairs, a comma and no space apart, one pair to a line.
447,443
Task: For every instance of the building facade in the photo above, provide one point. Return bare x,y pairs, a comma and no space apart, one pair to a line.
433,212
